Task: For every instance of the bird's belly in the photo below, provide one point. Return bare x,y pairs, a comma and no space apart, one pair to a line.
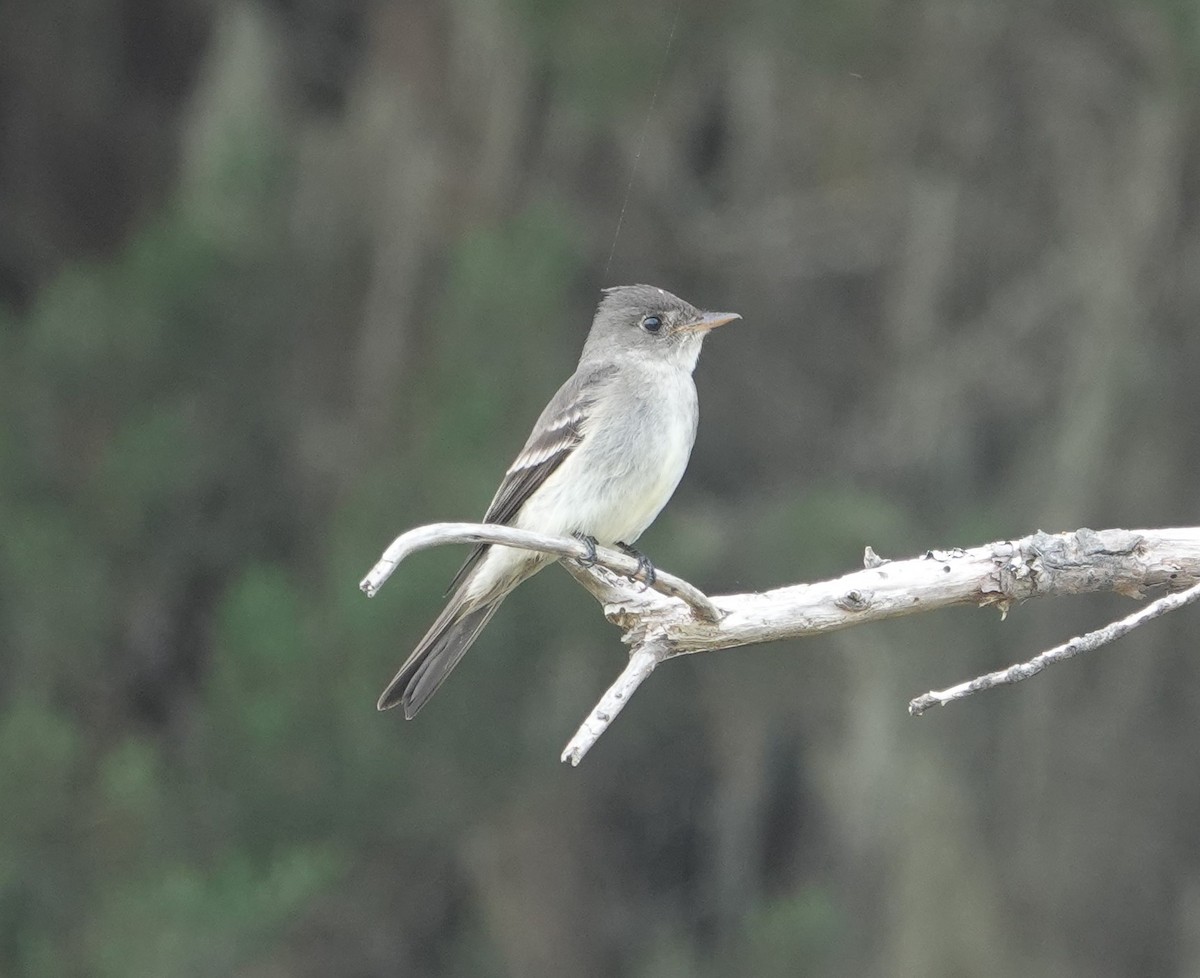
615,484
630,502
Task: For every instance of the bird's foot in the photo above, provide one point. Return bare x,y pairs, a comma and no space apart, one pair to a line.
589,558
644,567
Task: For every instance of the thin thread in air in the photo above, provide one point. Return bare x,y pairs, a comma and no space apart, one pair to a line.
637,156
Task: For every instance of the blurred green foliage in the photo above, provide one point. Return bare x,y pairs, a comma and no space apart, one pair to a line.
193,780
146,471
805,927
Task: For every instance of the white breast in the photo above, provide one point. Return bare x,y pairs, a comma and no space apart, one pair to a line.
628,464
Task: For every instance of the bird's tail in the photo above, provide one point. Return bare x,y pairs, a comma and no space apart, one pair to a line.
438,653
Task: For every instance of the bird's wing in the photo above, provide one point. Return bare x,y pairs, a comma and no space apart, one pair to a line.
557,433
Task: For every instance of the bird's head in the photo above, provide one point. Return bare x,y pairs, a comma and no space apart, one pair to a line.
646,321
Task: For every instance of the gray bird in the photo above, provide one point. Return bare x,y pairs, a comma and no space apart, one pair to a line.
602,461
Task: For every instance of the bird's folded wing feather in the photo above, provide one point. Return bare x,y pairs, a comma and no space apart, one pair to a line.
557,433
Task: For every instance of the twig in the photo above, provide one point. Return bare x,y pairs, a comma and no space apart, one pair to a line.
1068,650
642,662
437,534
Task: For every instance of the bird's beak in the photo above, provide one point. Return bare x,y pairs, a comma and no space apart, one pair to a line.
710,320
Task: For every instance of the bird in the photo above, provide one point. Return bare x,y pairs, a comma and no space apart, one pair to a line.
602,461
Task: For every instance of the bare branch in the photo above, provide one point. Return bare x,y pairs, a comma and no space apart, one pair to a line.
642,662
676,619
1068,650
438,534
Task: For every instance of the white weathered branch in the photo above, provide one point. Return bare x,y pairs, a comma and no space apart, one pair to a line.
1068,650
439,534
642,661
676,619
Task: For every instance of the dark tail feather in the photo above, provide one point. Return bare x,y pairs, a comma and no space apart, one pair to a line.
437,654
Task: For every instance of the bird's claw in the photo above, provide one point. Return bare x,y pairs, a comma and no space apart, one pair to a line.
644,568
589,558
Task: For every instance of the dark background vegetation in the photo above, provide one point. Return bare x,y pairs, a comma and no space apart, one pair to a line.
281,278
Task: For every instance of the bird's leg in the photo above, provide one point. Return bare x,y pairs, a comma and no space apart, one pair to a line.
644,567
588,559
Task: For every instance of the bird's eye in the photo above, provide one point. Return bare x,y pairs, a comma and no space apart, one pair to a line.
652,324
